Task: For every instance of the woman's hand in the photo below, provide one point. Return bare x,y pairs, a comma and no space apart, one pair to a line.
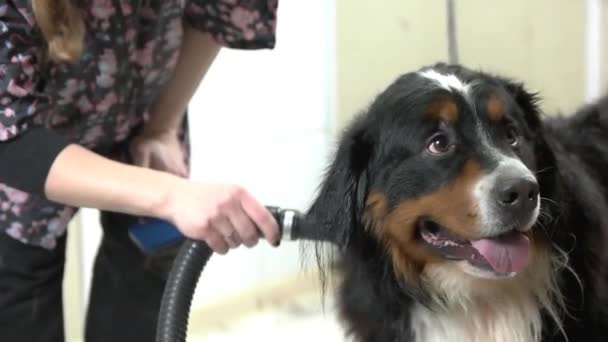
222,215
159,150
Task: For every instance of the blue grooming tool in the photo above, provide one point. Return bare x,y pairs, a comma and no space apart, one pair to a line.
154,235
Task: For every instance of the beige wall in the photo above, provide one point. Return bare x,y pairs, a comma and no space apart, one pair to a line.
540,42
72,285
605,46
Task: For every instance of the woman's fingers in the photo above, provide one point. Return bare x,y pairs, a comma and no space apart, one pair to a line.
216,242
261,217
227,230
243,225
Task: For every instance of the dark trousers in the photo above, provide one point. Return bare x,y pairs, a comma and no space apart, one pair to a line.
125,293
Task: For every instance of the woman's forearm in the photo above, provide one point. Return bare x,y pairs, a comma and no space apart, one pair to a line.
81,178
197,53
43,163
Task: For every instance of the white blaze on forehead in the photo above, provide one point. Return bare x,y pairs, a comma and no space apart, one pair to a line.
449,82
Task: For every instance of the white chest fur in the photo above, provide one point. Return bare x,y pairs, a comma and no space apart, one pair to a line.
500,323
483,310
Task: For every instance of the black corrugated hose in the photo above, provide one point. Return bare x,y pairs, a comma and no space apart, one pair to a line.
186,270
177,298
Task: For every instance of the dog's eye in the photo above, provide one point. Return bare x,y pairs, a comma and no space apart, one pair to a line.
511,135
439,144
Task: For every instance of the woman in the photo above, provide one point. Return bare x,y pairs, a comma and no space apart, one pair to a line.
92,101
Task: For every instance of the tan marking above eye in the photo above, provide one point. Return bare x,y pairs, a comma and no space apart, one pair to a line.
444,108
495,108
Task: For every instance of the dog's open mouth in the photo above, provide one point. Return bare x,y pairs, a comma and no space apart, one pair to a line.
503,255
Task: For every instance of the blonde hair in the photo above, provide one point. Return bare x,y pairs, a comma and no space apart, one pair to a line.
62,26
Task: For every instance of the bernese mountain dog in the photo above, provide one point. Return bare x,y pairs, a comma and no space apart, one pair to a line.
465,214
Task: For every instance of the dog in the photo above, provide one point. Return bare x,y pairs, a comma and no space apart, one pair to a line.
465,214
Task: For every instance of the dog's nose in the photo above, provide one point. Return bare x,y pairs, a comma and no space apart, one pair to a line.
517,195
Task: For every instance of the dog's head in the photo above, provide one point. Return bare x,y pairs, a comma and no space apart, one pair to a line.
441,167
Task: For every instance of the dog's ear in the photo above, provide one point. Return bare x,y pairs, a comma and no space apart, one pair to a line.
342,194
526,100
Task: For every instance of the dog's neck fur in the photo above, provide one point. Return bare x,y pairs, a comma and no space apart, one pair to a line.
469,309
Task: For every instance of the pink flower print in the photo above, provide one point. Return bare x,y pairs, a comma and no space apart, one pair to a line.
122,127
19,90
107,69
65,215
72,86
58,119
105,81
143,56
126,7
193,8
5,101
3,9
145,116
222,7
102,9
15,230
16,196
92,135
27,14
243,18
2,70
151,76
5,205
173,60
56,226
9,112
49,241
173,36
249,34
130,35
147,13
26,63
108,61
273,4
84,104
109,100
6,132
16,210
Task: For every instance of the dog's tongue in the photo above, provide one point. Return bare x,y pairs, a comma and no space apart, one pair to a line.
507,253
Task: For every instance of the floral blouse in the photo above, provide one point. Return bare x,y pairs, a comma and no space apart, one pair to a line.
130,50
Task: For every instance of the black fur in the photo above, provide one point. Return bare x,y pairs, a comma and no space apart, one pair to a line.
378,151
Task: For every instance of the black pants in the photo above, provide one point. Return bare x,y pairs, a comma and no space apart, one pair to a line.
125,293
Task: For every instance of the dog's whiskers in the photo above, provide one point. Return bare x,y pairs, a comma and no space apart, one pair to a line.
549,168
549,200
545,215
542,226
